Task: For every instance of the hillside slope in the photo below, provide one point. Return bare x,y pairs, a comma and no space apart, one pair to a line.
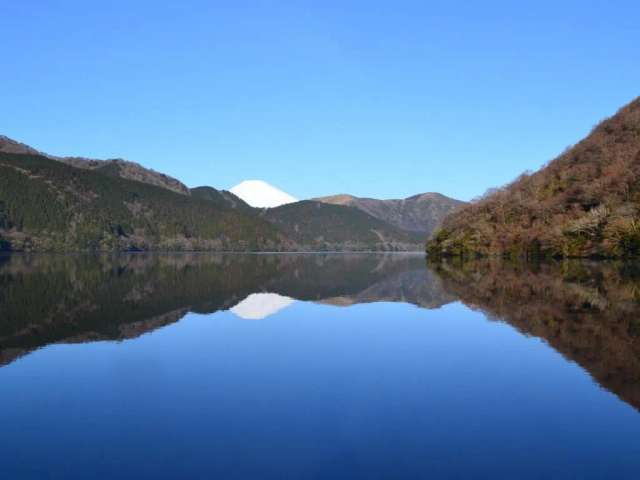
585,203
223,198
72,203
113,167
421,213
318,226
49,205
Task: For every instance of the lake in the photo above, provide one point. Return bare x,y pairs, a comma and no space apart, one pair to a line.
317,366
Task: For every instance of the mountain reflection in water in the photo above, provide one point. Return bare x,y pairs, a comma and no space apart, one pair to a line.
587,311
69,299
282,366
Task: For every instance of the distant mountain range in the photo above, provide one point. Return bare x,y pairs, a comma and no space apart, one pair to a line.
338,227
51,203
420,213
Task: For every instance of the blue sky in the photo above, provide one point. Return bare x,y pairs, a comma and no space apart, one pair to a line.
381,99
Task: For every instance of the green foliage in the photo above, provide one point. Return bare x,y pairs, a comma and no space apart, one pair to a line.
25,205
223,198
53,206
48,205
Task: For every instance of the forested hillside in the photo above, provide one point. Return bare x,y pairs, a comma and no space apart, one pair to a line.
52,203
114,167
585,203
49,205
221,197
318,226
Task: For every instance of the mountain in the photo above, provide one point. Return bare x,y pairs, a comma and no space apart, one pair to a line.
585,203
46,204
129,170
7,145
260,194
76,204
313,225
114,167
221,197
421,213
319,226
49,205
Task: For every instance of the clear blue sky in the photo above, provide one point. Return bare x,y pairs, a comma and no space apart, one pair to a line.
382,99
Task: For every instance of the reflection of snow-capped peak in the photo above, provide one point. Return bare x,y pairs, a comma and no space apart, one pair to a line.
261,305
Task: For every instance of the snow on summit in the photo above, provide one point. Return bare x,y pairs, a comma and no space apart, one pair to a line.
262,195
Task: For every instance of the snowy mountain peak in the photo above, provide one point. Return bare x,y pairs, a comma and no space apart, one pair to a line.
261,195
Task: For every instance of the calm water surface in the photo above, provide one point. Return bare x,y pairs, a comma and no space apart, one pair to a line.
317,367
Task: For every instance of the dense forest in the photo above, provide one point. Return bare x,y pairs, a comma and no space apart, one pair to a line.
47,205
582,204
337,227
69,204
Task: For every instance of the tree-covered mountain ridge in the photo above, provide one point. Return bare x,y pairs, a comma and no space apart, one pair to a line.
116,166
52,203
584,203
47,205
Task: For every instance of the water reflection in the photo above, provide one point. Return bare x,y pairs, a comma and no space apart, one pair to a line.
286,377
261,305
587,311
54,299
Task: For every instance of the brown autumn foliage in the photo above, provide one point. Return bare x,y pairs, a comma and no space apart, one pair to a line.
582,204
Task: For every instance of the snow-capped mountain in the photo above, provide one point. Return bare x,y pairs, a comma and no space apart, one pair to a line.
262,195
